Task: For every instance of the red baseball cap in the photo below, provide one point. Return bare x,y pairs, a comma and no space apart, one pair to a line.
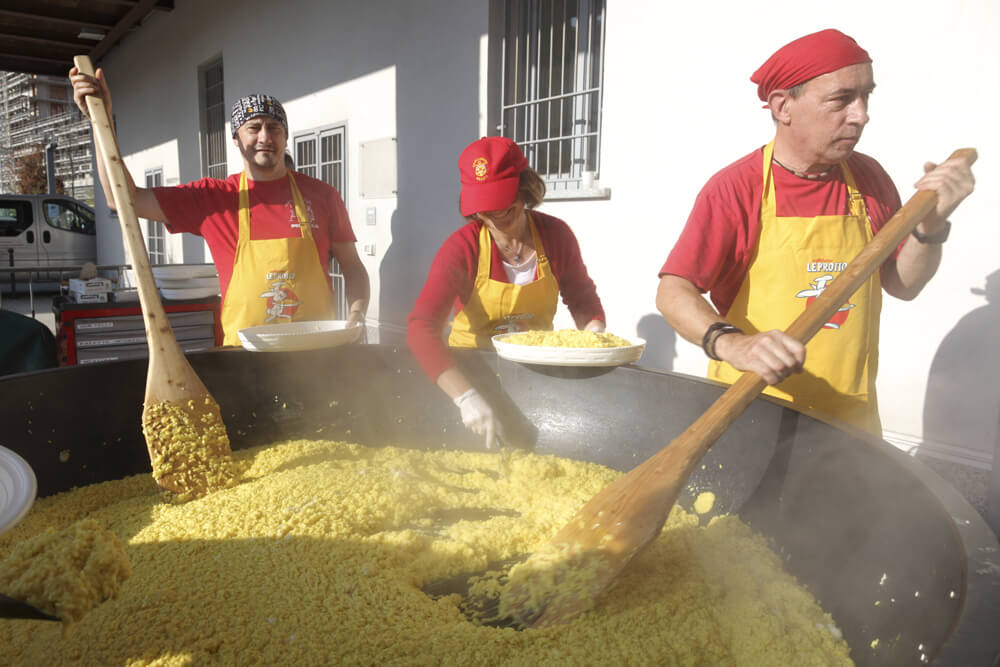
490,172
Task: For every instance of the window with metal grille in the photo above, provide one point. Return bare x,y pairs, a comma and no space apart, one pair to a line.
320,153
156,235
551,71
213,121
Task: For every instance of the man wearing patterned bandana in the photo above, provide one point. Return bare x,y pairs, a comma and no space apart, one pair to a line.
272,231
768,232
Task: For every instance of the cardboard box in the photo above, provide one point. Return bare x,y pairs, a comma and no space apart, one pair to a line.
89,286
80,297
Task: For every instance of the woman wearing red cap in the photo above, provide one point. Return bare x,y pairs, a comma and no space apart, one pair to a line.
768,232
503,271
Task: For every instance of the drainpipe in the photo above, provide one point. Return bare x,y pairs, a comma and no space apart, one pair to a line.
50,166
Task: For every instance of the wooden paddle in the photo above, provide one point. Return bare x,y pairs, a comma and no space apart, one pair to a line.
186,438
565,577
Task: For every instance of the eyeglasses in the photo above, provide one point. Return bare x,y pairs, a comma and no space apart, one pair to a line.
503,214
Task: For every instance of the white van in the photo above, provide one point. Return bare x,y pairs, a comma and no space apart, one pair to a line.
45,231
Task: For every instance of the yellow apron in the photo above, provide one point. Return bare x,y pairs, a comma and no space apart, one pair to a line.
794,260
274,280
496,307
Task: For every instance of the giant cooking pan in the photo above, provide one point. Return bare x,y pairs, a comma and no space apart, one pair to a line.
891,550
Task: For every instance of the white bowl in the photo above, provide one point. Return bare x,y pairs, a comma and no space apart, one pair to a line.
18,487
292,336
569,356
182,271
188,293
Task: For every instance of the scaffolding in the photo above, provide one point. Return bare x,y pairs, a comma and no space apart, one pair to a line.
39,110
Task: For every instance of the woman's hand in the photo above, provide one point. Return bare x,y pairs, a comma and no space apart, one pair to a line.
477,415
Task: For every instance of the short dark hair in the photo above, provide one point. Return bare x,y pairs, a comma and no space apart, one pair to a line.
289,162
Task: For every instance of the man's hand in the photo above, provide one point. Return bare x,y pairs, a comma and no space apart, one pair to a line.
477,415
596,326
773,355
355,317
84,86
953,181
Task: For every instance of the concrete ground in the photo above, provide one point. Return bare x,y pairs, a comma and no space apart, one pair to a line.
972,483
22,302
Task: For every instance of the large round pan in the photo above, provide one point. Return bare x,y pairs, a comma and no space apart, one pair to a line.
856,520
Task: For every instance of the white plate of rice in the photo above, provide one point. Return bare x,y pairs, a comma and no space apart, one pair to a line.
569,347
291,336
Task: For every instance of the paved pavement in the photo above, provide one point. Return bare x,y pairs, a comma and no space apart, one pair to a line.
22,303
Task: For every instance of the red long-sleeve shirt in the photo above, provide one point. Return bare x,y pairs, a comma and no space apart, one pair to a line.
452,277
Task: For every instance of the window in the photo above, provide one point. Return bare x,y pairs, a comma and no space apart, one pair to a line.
68,215
15,217
156,234
551,56
213,121
320,154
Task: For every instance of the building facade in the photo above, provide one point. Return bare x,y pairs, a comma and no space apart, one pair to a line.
36,111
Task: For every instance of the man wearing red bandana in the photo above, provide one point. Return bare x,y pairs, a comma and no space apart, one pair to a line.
770,231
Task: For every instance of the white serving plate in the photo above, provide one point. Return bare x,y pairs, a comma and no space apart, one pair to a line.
292,336
182,271
18,487
188,293
185,283
569,356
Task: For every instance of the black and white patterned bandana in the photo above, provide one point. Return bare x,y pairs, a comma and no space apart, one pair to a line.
258,104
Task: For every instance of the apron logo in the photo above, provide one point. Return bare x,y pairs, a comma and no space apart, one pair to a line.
293,217
282,303
479,168
818,285
514,323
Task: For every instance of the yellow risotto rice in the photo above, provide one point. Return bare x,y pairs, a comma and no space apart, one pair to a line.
65,573
319,555
567,338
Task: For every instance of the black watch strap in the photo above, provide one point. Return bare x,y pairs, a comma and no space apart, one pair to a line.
940,237
712,334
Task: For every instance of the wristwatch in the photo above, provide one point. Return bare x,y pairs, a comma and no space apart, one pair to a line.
940,237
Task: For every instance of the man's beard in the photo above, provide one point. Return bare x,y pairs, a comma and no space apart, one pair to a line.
251,155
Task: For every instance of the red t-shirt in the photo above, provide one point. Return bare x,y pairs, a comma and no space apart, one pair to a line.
717,244
452,277
209,208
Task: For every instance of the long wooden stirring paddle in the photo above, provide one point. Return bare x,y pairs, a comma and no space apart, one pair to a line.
564,578
186,438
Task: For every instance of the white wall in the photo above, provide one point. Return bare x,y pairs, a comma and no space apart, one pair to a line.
678,106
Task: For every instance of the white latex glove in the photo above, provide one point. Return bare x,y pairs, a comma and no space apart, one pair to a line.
477,415
596,326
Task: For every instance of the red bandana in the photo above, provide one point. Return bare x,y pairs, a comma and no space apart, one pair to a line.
806,58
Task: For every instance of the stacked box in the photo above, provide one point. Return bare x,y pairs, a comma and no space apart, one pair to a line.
89,290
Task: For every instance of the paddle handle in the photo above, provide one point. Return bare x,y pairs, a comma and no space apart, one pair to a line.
166,358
